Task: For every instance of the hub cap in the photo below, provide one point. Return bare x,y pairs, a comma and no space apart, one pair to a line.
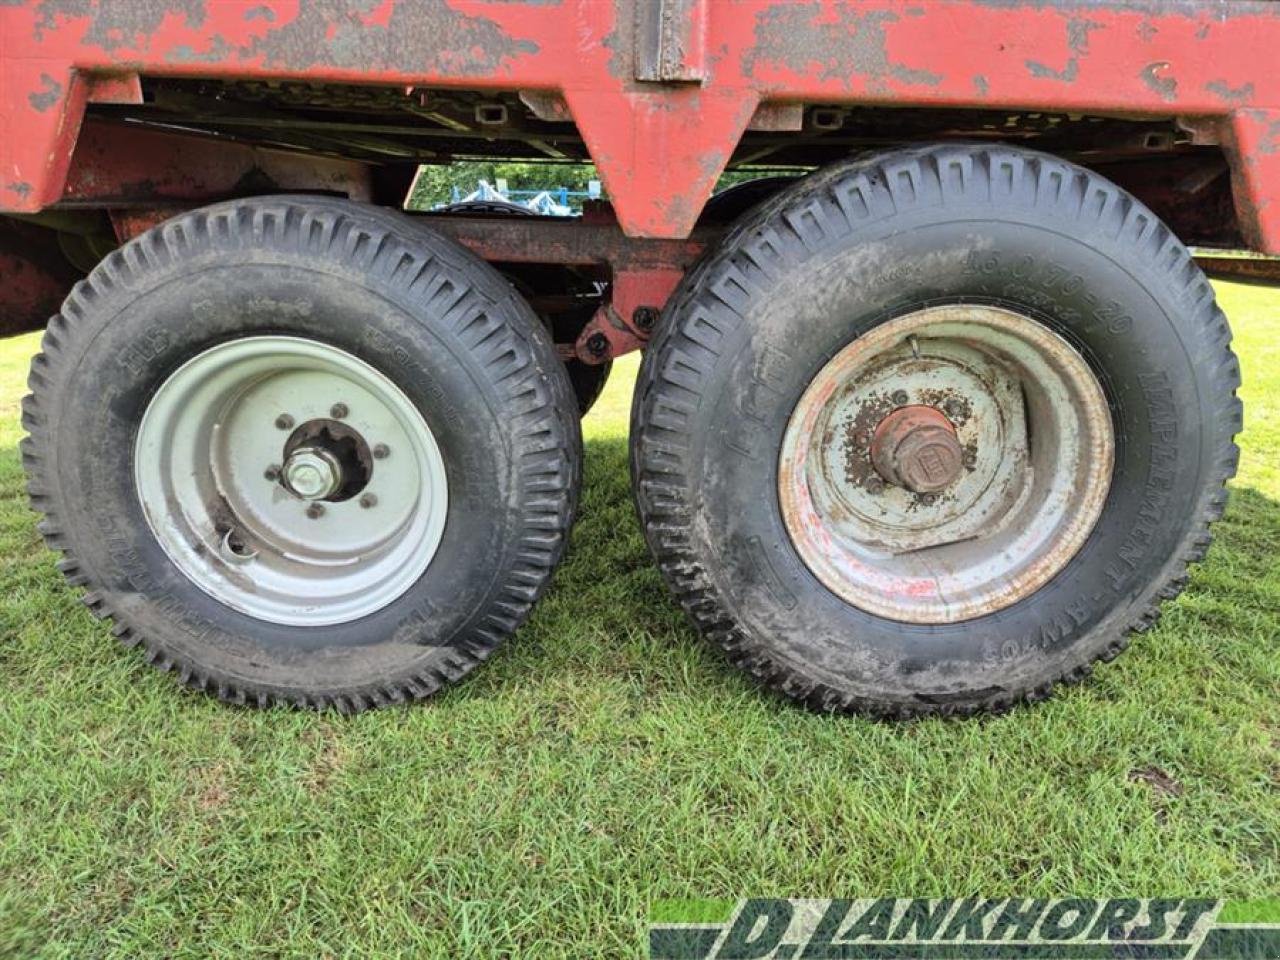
946,464
916,448
255,463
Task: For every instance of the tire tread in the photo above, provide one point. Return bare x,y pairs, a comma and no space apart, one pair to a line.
780,229
517,356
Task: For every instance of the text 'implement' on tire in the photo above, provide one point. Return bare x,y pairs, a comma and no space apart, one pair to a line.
303,451
932,432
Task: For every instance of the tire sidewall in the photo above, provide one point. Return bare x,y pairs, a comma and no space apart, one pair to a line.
178,312
1105,300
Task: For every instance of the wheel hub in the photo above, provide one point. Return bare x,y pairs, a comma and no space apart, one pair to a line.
265,471
916,447
312,473
946,464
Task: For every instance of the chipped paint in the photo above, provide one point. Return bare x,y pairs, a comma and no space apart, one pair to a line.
1155,76
48,95
1067,74
840,43
1232,95
660,148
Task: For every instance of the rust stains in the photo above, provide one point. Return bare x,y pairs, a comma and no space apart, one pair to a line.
116,26
1153,75
1067,74
373,36
841,43
1236,96
49,94
857,436
403,37
1078,30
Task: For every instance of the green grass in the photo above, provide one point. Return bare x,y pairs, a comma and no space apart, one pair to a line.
608,758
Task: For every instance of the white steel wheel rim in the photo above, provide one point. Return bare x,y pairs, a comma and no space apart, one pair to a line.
1033,431
212,463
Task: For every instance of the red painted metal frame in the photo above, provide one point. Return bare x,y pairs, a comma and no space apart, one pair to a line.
114,166
643,272
660,145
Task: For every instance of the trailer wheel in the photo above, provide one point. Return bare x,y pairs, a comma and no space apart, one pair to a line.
303,451
934,431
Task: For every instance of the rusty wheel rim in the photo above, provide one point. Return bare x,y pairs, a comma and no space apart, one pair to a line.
947,464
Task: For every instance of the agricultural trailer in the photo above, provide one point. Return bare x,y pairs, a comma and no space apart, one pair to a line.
933,412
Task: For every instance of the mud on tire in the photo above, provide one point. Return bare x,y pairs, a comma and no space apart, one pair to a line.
836,256
440,324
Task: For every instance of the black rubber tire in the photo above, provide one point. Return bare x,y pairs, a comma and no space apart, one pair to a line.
587,379
727,205
846,249
442,324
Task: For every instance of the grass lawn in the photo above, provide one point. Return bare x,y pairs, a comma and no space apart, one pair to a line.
607,758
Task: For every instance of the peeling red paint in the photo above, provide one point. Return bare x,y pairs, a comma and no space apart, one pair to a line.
659,146
1254,145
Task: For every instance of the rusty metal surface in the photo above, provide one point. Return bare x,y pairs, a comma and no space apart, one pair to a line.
661,146
671,40
908,481
916,448
1239,265
643,273
37,276
115,166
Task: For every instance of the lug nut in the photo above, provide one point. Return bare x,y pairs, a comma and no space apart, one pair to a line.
315,511
874,485
954,409
645,318
338,411
381,451
284,422
598,345
900,397
369,500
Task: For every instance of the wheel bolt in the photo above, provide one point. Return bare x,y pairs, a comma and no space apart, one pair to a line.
874,485
598,345
900,397
338,411
284,422
315,511
272,473
368,500
381,451
954,409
